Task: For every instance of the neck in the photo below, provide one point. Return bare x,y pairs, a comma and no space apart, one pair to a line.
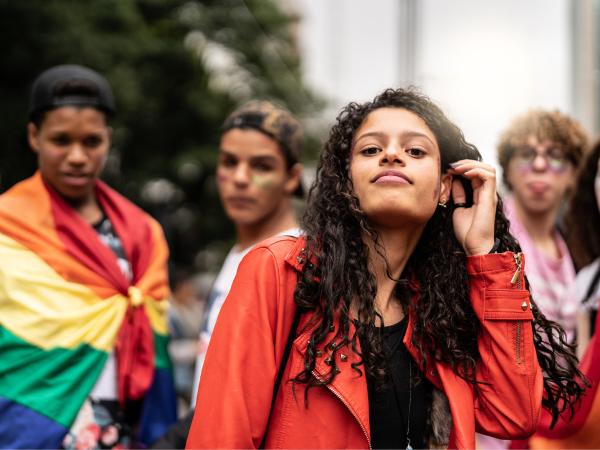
540,227
398,245
282,219
88,209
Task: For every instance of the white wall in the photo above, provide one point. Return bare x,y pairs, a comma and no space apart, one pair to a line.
482,61
350,47
485,62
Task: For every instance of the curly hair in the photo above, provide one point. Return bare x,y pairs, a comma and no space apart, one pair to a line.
445,325
582,235
544,125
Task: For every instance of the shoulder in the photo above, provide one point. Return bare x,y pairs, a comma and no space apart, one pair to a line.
282,252
281,247
585,277
22,193
589,271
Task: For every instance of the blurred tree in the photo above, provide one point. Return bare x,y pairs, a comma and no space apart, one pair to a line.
177,67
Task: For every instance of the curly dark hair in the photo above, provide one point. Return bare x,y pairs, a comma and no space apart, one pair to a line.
551,125
445,326
582,235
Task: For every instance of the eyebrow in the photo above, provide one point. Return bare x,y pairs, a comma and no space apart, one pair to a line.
265,158
380,134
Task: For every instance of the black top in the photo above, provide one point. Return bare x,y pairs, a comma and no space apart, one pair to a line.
389,407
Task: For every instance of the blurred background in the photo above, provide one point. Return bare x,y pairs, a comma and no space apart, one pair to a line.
178,67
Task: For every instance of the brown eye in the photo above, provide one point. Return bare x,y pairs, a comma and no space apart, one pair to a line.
262,167
556,153
370,151
227,161
61,140
526,153
416,152
92,141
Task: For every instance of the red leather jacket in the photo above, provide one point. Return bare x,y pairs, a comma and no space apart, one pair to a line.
234,397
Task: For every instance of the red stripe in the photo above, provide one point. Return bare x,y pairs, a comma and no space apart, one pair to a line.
135,343
131,225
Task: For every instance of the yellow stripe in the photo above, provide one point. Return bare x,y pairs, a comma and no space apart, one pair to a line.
40,306
157,314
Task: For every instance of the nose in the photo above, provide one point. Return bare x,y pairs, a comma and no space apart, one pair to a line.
391,154
540,162
241,175
77,155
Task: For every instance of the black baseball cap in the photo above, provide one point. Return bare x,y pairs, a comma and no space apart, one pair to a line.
71,85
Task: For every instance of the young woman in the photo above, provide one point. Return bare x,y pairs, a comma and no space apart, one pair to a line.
410,333
83,287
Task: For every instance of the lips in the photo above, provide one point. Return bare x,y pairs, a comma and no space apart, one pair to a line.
240,202
391,176
76,179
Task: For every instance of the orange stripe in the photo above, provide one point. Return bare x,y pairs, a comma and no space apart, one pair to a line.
26,217
155,282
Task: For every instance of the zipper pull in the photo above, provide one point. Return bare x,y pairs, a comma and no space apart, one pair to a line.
516,278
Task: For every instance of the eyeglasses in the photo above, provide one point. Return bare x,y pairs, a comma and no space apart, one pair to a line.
554,157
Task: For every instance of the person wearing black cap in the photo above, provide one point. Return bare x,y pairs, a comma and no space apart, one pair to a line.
258,174
69,107
83,284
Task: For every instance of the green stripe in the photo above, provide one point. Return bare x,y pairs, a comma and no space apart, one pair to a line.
53,382
161,351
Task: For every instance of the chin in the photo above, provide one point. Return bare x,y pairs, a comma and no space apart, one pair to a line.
393,216
538,207
72,196
243,218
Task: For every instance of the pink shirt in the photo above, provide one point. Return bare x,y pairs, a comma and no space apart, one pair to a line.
550,278
550,281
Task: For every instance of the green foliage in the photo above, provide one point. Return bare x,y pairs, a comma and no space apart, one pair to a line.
177,69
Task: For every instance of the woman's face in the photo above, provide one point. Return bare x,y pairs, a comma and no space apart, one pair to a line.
395,169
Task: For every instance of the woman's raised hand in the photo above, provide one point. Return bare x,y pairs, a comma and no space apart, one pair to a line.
474,226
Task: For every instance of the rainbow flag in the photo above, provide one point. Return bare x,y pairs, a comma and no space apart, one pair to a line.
65,305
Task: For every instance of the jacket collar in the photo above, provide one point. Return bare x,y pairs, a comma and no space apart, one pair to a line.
296,257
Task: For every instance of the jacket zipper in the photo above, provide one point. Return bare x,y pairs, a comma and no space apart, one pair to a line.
338,395
516,279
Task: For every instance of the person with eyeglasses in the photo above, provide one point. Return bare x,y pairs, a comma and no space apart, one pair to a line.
539,153
581,430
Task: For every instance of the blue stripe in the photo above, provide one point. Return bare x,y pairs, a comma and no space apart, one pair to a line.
160,407
21,427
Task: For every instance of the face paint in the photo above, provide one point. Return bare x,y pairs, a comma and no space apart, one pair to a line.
222,178
262,181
